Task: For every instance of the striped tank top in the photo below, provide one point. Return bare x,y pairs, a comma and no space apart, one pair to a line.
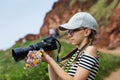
84,60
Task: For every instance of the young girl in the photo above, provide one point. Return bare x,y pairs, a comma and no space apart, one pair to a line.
84,63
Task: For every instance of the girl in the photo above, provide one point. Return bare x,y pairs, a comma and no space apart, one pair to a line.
84,63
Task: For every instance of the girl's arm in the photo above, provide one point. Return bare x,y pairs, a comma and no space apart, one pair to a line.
81,74
55,69
52,73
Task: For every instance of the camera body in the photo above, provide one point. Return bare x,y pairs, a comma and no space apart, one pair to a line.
48,43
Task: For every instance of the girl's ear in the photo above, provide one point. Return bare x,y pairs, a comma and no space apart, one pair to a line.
87,32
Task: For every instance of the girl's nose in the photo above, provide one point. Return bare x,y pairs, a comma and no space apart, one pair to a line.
69,35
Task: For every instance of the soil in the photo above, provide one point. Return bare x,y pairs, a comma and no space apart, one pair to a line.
115,75
114,51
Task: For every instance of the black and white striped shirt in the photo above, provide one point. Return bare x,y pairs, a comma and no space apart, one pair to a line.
88,62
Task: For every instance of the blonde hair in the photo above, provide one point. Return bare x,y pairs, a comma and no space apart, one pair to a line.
91,37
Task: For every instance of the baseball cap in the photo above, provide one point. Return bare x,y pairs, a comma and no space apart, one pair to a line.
80,19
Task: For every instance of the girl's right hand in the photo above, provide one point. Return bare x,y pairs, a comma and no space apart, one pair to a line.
46,56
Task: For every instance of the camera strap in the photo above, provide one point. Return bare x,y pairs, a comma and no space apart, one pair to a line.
59,48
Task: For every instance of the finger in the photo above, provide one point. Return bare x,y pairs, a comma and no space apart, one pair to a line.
43,53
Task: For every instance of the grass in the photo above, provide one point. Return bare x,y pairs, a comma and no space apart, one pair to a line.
108,63
11,70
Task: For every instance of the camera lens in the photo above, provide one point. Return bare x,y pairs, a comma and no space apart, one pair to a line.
48,44
20,53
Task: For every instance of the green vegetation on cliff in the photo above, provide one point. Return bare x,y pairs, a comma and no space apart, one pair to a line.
102,10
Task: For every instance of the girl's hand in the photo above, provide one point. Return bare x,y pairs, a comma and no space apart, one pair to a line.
46,56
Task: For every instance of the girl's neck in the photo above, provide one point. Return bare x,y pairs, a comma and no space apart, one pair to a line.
84,44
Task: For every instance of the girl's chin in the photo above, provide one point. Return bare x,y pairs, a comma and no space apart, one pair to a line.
74,44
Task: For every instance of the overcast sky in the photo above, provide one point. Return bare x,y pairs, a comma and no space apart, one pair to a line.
21,17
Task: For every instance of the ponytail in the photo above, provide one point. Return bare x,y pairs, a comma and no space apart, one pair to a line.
92,37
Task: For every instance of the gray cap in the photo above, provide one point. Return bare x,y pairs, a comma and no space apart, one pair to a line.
80,19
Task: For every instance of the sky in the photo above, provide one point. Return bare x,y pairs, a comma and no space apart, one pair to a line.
21,17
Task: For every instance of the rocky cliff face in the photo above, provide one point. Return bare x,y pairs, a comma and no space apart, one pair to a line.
108,34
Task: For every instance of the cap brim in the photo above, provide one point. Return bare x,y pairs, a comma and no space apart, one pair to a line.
67,26
63,27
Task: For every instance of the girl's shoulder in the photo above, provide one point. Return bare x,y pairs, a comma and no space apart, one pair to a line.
91,50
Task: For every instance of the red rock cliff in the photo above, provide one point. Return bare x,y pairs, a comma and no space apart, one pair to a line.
108,35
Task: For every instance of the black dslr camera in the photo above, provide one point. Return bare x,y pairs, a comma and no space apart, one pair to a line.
47,44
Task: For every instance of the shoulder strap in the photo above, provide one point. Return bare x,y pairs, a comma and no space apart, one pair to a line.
72,52
69,54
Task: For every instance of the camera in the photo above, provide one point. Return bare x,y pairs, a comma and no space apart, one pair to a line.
47,44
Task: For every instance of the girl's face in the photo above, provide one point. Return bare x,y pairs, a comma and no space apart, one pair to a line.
76,36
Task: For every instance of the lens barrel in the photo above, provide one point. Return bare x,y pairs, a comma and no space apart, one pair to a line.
48,44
